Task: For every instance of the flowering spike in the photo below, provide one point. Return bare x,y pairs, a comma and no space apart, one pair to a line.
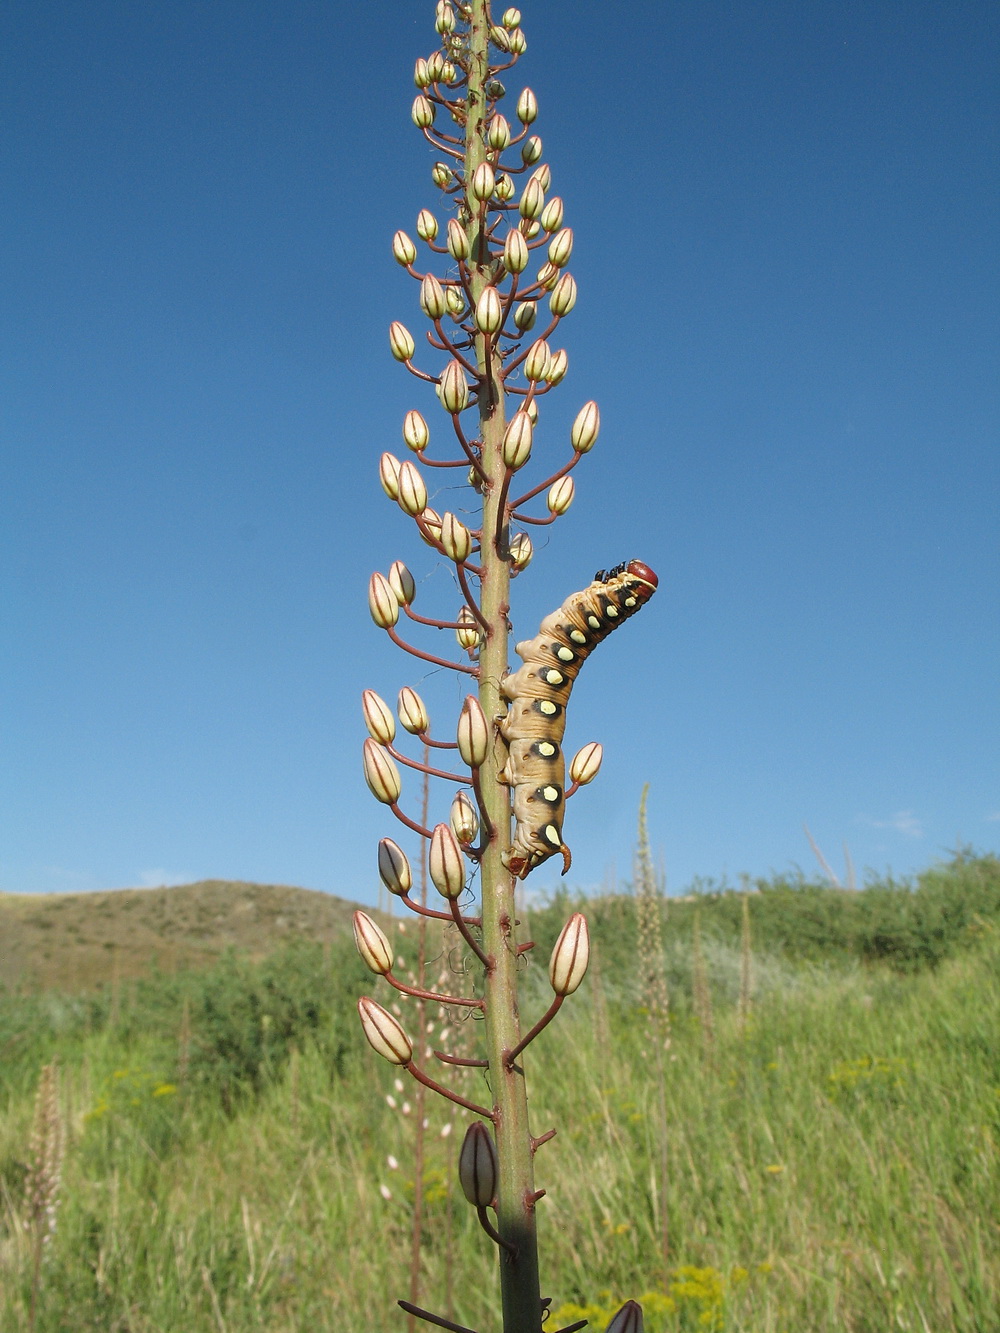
473,732
381,774
393,868
371,944
585,428
477,1165
570,956
627,1320
586,763
560,495
402,585
403,250
415,431
388,475
456,539
412,496
385,1036
463,819
378,717
401,341
382,601
445,862
412,712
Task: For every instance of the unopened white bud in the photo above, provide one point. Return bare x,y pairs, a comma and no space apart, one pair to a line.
563,297
504,188
537,360
455,298
382,603
415,431
371,944
456,539
560,495
532,200
586,764
552,214
521,551
381,773
401,583
585,428
403,250
517,42
524,316
412,498
412,711
458,241
432,301
511,19
445,862
555,371
444,18
570,957
388,475
561,247
464,819
421,75
385,1035
473,732
468,633
498,134
454,388
378,717
517,441
401,341
543,175
531,150
393,868
489,311
422,112
483,182
527,107
441,175
515,252
427,225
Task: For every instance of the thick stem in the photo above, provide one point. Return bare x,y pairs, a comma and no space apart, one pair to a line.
521,1299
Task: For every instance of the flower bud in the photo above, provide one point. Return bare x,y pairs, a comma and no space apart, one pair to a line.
456,539
455,298
570,956
371,944
483,181
393,868
524,316
527,107
401,583
585,428
563,297
401,341
458,242
627,1320
521,551
548,276
427,227
532,200
477,1166
403,249
444,18
498,134
435,66
529,228
388,472
537,360
473,732
422,112
495,90
382,601
454,388
378,718
385,1036
555,371
489,311
517,42
543,175
561,247
531,150
500,38
586,763
432,301
448,73
412,712
430,532
517,441
381,774
515,252
511,19
441,175
504,189
552,214
464,819
467,634
532,410
446,863
412,496
560,495
421,74
415,432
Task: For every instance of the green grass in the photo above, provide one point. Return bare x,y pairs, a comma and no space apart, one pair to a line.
835,1166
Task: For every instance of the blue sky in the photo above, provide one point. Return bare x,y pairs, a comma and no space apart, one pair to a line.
786,222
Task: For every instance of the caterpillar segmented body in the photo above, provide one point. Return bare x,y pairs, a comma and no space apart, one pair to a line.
538,693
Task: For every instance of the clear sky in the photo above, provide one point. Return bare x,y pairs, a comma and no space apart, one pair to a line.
786,246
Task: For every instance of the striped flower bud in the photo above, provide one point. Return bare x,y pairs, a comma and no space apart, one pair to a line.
563,297
489,311
524,316
537,360
432,297
560,495
422,112
448,73
529,228
445,862
532,410
385,1036
570,956
473,732
441,175
505,188
454,388
421,74
548,276
464,819
388,474
458,241
561,247
532,200
543,175
517,441
444,18
521,551
627,1320
401,583
415,432
403,249
555,371
500,38
393,868
456,539
527,107
401,341
412,712
585,428
430,531
382,601
552,214
435,66
372,945
498,134
586,763
478,1169
483,181
381,774
378,717
467,634
412,496
515,252
511,19
517,42
531,150
427,226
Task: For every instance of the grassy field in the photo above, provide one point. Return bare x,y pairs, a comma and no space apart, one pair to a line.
233,1160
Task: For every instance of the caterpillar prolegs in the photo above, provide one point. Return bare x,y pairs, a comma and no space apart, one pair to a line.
538,693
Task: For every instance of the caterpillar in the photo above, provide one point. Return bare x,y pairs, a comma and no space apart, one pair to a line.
538,693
